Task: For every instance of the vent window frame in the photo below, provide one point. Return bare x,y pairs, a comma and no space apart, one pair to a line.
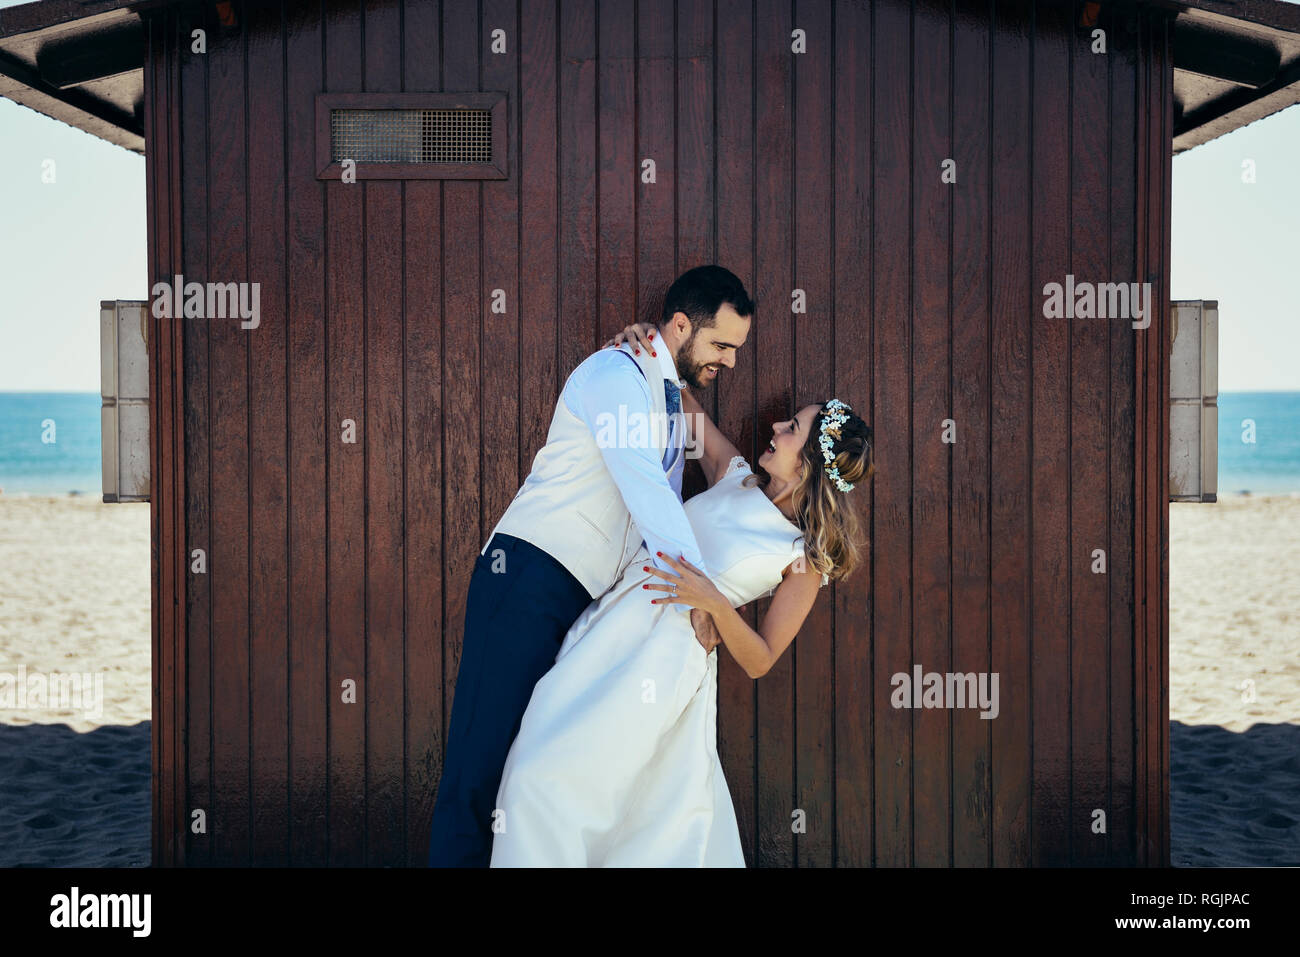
495,102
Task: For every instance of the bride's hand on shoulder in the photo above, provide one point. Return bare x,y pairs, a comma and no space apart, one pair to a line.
640,334
689,586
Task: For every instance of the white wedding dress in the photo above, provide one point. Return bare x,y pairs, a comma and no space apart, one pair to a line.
615,763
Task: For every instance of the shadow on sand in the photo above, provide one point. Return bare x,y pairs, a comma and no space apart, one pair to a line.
1234,796
74,799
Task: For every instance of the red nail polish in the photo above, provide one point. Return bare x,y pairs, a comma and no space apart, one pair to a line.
652,337
660,554
637,351
653,353
645,586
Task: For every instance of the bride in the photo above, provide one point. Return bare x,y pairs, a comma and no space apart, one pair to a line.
615,763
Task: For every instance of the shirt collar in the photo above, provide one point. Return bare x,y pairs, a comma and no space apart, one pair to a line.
667,365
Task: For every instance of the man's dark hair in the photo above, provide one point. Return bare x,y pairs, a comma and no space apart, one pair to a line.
700,293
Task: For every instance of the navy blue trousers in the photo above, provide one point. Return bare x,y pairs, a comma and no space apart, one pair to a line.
515,622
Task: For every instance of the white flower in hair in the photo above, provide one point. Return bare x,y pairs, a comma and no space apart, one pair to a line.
834,415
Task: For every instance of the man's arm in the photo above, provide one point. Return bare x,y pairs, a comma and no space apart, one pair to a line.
638,472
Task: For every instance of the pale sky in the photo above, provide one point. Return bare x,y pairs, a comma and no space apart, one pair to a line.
66,245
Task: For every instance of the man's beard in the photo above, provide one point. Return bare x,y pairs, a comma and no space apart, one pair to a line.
687,366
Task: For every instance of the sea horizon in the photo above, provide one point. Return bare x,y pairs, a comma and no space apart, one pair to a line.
50,443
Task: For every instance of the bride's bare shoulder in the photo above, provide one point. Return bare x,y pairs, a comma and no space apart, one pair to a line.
737,463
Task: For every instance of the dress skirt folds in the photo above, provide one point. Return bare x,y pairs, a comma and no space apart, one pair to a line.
616,763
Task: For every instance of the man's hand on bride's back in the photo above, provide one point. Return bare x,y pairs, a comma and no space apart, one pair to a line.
706,632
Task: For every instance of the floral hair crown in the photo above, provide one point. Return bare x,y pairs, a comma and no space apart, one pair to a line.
834,415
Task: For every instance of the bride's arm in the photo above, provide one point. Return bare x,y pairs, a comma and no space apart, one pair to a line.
716,450
757,651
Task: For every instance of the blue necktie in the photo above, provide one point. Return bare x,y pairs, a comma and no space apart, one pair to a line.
672,397
672,405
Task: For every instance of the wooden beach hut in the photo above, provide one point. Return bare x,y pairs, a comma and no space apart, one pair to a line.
896,182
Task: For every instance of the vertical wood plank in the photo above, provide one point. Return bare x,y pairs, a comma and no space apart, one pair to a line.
1050,442
176,766
311,433
735,393
1145,451
159,786
1123,221
1141,453
1160,307
617,171
501,242
579,238
850,358
540,320
1089,440
696,141
268,428
345,442
891,418
972,267
696,125
462,372
931,404
166,515
771,337
422,453
812,653
1153,468
159,789
200,719
1014,302
1147,457
656,210
385,390
229,819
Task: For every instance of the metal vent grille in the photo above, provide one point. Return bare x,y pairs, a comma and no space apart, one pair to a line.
411,136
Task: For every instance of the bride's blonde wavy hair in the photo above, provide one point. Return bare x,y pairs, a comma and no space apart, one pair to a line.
828,517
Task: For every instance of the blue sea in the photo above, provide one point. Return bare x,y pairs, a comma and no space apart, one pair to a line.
1259,442
49,443
30,462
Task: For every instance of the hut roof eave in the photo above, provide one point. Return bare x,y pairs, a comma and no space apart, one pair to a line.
82,63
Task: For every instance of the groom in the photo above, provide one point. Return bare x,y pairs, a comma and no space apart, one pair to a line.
569,534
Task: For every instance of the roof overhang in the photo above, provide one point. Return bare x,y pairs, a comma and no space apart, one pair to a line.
1235,62
81,63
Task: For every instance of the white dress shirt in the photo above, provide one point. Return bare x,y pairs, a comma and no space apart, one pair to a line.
594,396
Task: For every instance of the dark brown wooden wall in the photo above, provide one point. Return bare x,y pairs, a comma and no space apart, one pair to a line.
818,171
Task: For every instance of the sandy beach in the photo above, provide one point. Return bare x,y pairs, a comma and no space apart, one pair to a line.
74,598
74,601
1234,637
